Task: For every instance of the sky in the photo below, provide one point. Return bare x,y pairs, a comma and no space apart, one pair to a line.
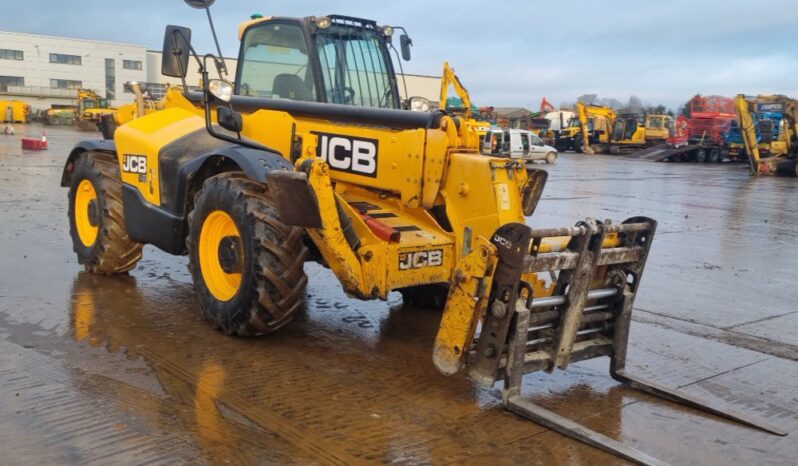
507,52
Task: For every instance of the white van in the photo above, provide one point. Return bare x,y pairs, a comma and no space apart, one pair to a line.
517,144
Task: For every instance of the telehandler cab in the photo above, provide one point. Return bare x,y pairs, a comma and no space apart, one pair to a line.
311,156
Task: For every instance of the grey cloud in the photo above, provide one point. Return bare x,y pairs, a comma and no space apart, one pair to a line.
508,53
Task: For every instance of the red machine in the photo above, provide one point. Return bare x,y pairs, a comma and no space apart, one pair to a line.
680,133
546,106
701,138
710,118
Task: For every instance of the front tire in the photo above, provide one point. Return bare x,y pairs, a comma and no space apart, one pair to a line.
246,265
551,157
578,143
96,216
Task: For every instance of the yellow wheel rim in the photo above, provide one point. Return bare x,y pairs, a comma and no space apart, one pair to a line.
83,202
217,226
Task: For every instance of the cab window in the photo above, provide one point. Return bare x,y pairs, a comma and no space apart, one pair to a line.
354,67
274,63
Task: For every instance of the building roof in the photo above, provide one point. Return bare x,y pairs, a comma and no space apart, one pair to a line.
72,38
511,112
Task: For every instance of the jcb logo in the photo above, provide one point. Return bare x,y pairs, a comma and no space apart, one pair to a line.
348,154
135,164
420,259
506,243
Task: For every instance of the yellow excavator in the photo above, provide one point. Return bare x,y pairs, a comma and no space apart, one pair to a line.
628,134
449,78
783,160
593,124
297,162
91,109
602,129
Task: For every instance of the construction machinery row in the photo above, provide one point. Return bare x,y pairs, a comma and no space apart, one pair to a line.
310,155
760,130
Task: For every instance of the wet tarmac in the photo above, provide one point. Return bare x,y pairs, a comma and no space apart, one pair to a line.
122,370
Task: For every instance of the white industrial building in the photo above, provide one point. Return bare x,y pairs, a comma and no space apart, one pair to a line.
46,71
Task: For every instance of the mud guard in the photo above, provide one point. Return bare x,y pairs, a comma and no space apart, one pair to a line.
99,145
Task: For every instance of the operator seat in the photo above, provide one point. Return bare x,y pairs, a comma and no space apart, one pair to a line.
291,86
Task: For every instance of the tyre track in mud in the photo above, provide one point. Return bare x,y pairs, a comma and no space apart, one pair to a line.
51,420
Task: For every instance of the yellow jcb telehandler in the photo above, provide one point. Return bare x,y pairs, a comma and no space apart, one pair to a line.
311,155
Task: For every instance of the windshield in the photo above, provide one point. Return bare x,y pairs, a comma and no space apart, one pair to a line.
274,63
574,123
355,68
655,122
536,140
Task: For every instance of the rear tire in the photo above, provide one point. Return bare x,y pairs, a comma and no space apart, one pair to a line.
714,155
96,216
247,266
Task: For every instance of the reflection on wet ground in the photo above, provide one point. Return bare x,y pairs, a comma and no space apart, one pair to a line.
110,370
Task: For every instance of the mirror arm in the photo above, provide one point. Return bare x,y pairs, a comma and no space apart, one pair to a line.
206,102
218,47
402,72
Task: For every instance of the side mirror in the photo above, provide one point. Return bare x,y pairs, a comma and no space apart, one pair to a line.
405,42
176,50
229,119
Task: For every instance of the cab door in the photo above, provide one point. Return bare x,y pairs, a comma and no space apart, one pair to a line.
516,144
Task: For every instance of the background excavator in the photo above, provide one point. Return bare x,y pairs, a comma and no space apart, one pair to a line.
291,164
631,132
593,124
601,129
449,78
783,152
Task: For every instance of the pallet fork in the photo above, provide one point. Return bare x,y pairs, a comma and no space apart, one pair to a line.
588,315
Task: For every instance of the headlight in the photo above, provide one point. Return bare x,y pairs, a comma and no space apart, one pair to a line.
222,90
387,31
419,104
323,22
